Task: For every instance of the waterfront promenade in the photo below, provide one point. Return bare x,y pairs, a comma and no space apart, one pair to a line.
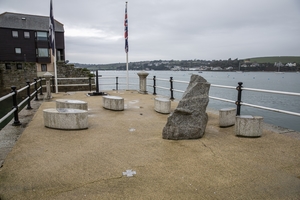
89,164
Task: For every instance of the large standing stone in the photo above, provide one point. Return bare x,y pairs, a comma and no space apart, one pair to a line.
189,119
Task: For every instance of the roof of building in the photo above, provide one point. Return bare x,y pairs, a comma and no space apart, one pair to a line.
27,22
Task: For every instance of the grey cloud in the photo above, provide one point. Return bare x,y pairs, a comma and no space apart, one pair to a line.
173,29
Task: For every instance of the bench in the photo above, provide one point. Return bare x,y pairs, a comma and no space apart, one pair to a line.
249,126
227,117
113,103
65,118
162,105
68,103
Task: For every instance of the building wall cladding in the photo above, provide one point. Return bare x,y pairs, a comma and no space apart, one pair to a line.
7,49
18,77
28,46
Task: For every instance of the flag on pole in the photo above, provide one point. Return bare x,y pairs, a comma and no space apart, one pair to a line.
52,30
126,30
52,42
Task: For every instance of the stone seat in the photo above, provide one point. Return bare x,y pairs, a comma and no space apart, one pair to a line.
113,103
68,103
227,117
65,118
162,105
249,126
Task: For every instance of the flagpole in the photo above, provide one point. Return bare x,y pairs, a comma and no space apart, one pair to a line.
126,44
127,71
55,74
52,43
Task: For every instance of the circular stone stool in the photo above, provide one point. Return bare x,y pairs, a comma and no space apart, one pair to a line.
68,103
113,103
227,117
65,118
249,126
162,105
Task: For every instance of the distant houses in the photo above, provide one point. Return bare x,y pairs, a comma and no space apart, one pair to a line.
291,64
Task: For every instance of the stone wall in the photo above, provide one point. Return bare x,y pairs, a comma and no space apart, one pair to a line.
18,77
69,71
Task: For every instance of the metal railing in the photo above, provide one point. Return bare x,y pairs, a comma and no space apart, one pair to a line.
168,86
98,80
89,84
15,105
238,102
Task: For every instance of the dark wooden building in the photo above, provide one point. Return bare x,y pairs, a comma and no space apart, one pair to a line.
24,38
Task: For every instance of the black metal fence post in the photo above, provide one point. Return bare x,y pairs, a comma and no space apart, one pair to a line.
36,90
97,82
239,99
53,84
41,87
117,83
171,88
15,105
28,95
154,85
90,83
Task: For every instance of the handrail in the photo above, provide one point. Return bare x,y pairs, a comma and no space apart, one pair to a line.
221,99
7,115
73,85
84,78
272,91
15,105
239,102
162,79
6,96
271,109
22,89
176,81
223,86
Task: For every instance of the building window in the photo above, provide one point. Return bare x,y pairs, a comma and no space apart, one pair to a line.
42,36
7,66
26,34
44,67
42,52
15,34
18,50
19,66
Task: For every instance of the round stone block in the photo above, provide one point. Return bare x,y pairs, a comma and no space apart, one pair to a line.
113,103
68,103
227,117
162,105
65,118
249,126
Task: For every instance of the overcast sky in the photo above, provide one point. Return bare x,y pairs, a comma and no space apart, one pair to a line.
171,29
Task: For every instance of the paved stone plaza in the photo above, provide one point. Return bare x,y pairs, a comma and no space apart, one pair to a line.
122,156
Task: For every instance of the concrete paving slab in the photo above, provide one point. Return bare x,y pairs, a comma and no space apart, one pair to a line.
89,164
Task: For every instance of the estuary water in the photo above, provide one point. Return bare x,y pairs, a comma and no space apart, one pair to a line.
288,82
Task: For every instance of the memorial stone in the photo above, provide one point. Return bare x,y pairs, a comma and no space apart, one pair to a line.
189,119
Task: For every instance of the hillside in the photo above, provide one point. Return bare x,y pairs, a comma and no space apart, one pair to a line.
273,59
259,64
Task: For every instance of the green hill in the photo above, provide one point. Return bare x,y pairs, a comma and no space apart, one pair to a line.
273,59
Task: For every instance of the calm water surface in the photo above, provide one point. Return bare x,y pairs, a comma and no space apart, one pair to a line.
288,82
